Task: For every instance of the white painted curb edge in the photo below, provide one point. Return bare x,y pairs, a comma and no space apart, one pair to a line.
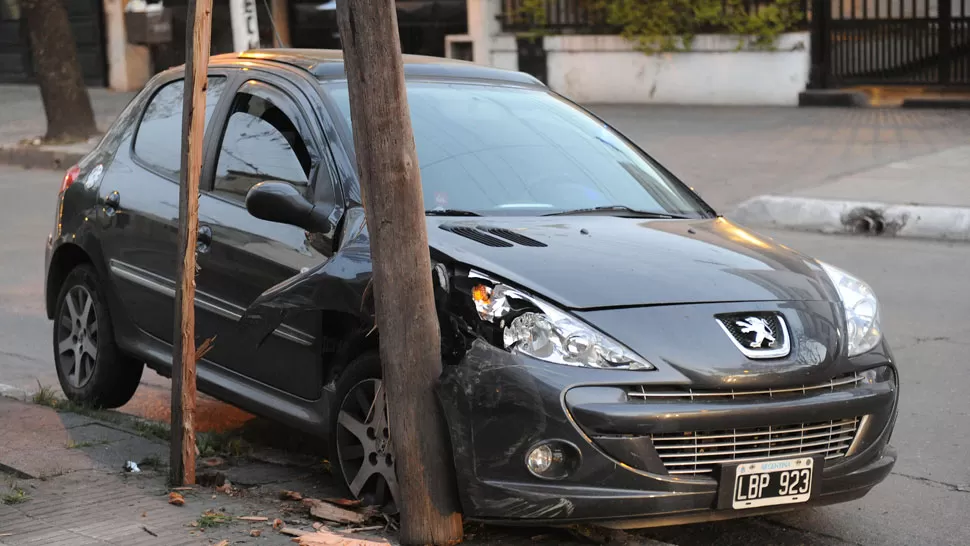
832,216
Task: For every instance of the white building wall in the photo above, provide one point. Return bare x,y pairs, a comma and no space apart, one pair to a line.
607,69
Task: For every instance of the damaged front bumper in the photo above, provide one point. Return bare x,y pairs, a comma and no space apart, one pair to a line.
500,405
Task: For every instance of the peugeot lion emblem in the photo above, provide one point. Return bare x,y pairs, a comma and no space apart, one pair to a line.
757,335
761,330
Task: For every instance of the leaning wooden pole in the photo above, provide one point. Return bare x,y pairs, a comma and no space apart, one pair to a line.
406,319
198,30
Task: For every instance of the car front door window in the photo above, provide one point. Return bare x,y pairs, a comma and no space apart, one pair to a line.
261,142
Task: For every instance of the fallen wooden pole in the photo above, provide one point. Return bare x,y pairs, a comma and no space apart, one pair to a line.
198,31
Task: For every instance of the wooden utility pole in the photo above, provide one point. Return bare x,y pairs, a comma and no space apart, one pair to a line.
409,338
281,22
197,33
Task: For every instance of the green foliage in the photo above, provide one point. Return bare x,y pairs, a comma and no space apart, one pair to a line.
15,496
671,25
210,518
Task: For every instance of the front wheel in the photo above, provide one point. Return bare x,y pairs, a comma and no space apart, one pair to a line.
361,441
90,368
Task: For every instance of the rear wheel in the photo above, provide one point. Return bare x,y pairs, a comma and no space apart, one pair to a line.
90,368
361,442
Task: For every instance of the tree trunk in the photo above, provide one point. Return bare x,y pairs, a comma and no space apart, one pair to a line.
409,337
197,39
281,23
66,101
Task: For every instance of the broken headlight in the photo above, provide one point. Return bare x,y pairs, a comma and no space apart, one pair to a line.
861,310
538,329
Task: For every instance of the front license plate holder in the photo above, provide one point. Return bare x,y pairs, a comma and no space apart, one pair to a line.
737,492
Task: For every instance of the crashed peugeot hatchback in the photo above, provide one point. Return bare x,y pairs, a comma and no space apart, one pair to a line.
614,351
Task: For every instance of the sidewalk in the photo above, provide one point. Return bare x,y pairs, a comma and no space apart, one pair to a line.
63,483
22,120
924,197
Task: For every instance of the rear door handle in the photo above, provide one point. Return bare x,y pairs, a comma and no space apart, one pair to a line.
204,239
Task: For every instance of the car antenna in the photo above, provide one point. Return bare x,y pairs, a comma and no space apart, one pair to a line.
272,23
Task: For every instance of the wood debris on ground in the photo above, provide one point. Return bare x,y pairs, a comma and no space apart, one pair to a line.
277,523
324,537
330,512
291,495
294,532
253,518
176,499
361,529
347,503
255,532
223,543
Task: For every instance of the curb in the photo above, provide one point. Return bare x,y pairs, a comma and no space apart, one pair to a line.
833,98
856,217
937,103
38,158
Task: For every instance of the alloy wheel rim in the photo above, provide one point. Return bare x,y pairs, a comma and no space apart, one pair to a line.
77,337
364,446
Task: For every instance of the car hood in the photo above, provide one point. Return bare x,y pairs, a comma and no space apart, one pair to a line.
587,262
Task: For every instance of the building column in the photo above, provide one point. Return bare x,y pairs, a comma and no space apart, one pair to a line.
483,26
129,65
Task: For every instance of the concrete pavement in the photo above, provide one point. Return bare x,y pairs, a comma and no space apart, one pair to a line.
924,197
22,121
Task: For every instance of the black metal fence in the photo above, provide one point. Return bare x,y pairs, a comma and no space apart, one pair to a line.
584,17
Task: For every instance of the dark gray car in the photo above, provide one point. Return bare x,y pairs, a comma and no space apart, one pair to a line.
614,351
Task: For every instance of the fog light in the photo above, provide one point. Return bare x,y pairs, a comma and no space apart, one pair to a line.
540,460
553,459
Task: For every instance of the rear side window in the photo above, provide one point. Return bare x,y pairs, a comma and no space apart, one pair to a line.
159,138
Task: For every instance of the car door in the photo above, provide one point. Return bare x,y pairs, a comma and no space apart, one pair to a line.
265,135
139,217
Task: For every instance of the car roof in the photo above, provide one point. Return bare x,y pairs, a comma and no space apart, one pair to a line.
329,64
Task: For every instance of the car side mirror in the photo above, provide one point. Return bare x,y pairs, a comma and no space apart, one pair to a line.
280,202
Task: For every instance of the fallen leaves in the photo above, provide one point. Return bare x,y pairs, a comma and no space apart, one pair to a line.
176,499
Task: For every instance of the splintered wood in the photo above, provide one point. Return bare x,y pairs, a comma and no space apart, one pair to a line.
329,512
327,538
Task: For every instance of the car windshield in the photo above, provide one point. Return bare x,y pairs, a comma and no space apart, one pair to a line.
504,150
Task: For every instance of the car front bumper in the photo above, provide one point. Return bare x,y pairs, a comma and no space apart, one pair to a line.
500,405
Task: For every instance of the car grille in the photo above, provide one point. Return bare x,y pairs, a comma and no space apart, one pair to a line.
657,394
701,452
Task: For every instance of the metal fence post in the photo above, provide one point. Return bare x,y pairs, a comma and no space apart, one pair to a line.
820,47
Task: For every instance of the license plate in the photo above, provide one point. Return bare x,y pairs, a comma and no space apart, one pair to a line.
768,483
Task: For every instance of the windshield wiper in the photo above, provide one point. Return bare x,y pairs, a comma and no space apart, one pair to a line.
450,212
613,209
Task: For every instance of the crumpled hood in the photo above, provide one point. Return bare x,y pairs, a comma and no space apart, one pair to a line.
584,262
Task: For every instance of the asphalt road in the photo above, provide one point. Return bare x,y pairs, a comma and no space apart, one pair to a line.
926,312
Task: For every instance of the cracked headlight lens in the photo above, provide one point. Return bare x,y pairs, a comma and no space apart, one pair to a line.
863,331
550,334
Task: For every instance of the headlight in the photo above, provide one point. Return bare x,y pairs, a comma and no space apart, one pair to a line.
540,330
861,310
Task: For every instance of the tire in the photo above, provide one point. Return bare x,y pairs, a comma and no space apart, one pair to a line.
360,443
101,377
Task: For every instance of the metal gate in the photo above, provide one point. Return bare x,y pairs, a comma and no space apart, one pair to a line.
890,42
